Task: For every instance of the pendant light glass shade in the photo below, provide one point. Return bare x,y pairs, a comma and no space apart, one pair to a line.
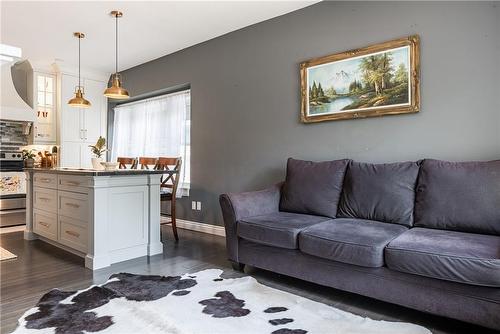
79,100
116,91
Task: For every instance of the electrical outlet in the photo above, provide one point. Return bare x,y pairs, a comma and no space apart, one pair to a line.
193,205
198,206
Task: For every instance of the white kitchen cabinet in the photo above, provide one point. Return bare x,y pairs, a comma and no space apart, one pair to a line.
61,214
81,127
71,118
44,104
77,155
94,118
86,155
104,216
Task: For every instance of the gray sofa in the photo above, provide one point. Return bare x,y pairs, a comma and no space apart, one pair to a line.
425,235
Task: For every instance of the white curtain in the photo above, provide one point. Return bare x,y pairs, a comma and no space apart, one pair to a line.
156,127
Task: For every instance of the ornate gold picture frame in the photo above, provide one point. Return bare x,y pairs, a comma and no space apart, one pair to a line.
381,79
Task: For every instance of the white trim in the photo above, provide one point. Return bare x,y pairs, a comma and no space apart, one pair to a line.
61,68
159,97
10,51
181,223
10,229
201,227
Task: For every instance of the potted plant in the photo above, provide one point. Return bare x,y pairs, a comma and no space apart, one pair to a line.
97,150
29,158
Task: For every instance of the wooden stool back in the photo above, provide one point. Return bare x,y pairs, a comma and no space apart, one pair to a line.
170,181
146,162
124,161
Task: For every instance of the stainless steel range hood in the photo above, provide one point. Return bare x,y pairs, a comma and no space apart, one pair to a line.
16,86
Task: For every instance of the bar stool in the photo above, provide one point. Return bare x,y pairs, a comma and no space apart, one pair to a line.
168,186
124,161
146,162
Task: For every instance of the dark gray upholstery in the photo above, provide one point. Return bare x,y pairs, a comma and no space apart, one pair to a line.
475,304
448,255
459,196
278,229
381,192
443,272
356,241
247,204
313,187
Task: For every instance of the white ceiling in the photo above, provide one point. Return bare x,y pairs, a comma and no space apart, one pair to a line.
148,29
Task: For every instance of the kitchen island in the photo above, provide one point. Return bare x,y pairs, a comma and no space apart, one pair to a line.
103,216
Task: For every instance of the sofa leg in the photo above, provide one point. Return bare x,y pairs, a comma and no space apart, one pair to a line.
238,266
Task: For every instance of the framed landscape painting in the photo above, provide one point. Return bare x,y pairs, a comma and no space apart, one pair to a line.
381,79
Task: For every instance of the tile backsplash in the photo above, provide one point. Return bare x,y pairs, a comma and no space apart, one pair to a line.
13,134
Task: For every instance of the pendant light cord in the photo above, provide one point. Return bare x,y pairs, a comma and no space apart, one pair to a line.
79,58
116,44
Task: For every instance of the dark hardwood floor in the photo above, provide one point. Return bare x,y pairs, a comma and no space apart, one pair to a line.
41,267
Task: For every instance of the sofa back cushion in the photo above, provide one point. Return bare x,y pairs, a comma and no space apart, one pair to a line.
313,187
459,196
382,192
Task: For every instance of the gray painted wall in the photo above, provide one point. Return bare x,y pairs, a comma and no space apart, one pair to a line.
245,93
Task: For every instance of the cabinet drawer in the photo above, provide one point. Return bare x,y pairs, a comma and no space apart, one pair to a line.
73,205
45,224
72,235
45,180
45,199
73,183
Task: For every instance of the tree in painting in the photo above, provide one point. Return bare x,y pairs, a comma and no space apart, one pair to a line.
317,94
369,81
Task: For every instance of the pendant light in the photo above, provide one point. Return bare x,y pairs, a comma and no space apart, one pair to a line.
116,91
79,100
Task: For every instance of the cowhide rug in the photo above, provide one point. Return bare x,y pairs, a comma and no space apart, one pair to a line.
202,302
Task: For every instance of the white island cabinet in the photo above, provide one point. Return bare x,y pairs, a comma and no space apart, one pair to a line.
80,127
103,216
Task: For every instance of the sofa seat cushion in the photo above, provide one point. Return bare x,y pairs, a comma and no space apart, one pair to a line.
380,192
278,229
448,255
355,241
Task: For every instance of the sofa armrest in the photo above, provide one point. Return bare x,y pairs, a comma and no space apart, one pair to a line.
236,206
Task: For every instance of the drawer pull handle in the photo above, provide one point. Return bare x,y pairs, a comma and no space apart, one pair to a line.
45,199
73,205
43,224
45,180
73,234
72,183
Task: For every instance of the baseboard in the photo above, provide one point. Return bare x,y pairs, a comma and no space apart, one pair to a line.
10,229
181,223
201,227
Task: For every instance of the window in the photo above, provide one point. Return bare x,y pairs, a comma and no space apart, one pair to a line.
156,127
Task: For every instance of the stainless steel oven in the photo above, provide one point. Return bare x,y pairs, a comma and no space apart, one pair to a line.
12,189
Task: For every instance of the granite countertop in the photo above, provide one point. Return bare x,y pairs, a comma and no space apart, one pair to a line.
94,172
